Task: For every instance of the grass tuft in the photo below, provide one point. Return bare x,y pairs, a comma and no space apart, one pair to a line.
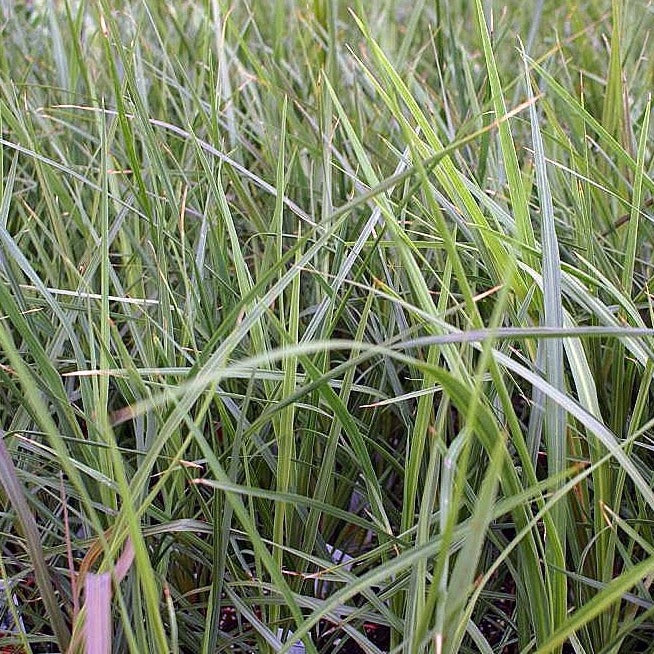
326,327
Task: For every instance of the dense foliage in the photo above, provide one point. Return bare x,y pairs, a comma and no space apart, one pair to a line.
326,326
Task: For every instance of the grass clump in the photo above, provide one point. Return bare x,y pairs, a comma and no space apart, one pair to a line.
326,327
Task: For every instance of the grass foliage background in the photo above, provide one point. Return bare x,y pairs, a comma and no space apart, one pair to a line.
282,280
